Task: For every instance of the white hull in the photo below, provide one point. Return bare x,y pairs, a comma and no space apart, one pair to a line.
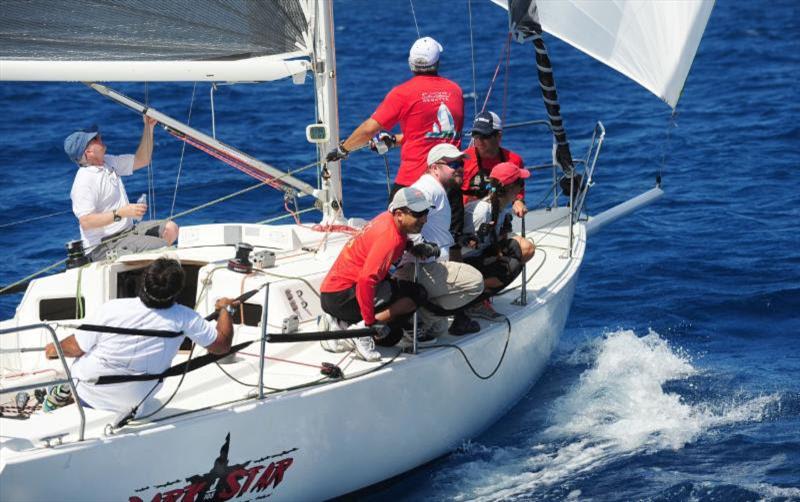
340,436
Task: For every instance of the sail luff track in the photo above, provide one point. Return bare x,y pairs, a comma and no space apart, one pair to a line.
240,160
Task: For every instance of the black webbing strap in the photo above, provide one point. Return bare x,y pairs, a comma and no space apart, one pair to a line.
130,331
316,336
176,370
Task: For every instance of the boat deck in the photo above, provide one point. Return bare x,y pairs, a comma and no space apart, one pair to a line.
288,367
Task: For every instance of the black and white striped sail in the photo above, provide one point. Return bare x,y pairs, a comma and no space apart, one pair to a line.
154,40
651,42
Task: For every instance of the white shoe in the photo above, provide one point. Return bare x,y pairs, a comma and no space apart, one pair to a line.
364,346
327,322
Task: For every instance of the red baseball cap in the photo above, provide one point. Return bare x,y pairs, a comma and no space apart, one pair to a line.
508,172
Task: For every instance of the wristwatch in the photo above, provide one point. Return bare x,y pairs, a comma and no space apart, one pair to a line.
231,309
116,216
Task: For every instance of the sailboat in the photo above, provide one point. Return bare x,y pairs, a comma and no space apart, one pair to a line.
281,417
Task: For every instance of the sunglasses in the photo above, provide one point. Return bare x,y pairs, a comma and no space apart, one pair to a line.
418,214
478,135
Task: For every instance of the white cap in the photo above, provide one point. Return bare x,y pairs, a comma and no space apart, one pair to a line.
424,53
444,151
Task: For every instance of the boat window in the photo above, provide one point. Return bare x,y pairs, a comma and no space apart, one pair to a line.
59,309
252,314
128,284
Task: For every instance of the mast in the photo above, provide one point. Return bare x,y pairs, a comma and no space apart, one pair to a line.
324,70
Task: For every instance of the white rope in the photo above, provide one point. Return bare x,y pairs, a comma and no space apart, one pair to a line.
151,190
183,150
415,17
472,51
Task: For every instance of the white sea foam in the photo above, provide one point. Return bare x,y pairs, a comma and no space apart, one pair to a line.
617,408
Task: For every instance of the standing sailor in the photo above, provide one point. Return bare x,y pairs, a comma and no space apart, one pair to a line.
100,202
428,107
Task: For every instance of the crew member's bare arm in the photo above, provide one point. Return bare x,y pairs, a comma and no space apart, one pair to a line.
98,220
144,153
362,134
68,345
222,344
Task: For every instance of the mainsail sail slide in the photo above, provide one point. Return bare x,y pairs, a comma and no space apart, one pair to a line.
152,40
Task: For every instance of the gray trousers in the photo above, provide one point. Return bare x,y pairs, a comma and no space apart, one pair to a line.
144,236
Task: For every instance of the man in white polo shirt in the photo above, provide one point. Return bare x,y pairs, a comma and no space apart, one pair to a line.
450,285
100,202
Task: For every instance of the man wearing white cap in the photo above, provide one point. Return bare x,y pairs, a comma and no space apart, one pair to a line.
450,285
428,107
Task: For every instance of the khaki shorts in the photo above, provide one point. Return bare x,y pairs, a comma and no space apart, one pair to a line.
450,285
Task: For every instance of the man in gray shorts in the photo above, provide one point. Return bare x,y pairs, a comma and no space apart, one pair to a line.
108,221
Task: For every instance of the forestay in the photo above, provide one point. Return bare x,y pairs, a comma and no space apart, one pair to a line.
651,42
153,40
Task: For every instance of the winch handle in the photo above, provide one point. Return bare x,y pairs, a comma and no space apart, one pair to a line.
241,299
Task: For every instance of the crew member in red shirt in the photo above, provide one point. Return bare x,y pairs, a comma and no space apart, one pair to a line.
483,155
429,109
357,289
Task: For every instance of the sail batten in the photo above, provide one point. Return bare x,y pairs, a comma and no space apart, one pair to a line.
83,40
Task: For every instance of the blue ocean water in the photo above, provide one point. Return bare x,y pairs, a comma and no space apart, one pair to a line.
678,375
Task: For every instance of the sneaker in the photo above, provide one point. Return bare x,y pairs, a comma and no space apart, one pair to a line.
463,325
364,346
484,310
425,337
327,322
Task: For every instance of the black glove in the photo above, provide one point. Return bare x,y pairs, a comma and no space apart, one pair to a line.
425,250
340,153
382,142
468,240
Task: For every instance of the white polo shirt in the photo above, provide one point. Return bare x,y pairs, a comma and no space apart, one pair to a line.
111,354
437,228
99,189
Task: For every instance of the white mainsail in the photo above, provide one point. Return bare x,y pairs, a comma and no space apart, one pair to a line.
651,42
152,40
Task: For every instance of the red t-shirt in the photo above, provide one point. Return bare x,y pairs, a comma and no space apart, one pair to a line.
365,260
430,110
471,167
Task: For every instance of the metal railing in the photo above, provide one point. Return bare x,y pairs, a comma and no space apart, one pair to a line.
63,360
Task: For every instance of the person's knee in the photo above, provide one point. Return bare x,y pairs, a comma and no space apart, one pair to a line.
527,248
170,233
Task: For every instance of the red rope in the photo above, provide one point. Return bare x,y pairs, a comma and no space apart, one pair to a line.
231,161
506,51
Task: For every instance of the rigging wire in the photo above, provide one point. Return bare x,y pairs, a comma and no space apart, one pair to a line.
26,220
414,14
472,52
151,190
183,150
506,50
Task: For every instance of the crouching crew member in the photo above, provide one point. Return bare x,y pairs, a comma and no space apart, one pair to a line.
356,292
498,255
450,285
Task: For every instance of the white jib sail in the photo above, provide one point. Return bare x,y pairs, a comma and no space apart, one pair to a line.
653,42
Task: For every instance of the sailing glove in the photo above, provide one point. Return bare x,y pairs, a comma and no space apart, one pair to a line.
382,142
425,250
340,153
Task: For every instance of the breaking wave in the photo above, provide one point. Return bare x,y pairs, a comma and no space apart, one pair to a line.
620,406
